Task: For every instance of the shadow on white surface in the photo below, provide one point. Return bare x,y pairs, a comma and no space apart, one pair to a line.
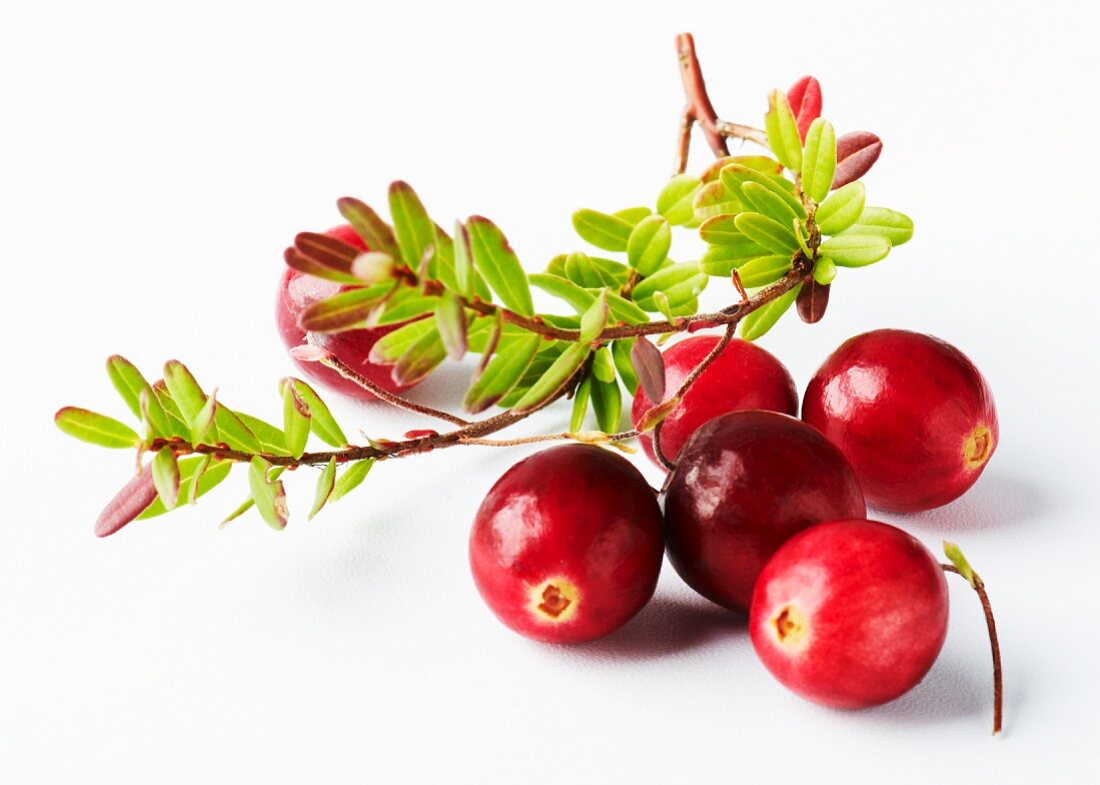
666,626
996,501
954,689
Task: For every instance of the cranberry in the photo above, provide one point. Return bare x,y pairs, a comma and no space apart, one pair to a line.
746,483
743,376
850,613
298,291
911,413
567,545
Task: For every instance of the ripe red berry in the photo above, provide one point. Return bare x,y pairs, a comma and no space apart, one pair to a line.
297,292
911,413
850,613
745,484
567,545
744,376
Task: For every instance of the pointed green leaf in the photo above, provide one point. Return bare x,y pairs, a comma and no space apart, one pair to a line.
764,318
767,202
325,484
603,367
547,355
623,310
392,346
272,440
580,405
129,382
166,476
201,425
594,319
376,233
496,261
824,270
175,417
421,358
185,391
95,428
215,472
560,372
841,209
955,555
343,311
296,419
411,306
352,477
896,227
677,199
763,270
771,234
735,176
269,497
233,431
322,422
154,417
450,319
855,250
819,160
782,130
502,373
620,353
648,244
414,230
464,261
602,230
607,403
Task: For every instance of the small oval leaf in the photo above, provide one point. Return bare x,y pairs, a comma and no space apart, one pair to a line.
819,160
841,209
127,504
94,428
502,373
497,262
649,244
805,100
776,237
782,130
855,250
856,153
602,230
559,372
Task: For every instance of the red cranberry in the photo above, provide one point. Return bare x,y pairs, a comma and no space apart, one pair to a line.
746,483
298,291
911,413
744,376
850,613
567,545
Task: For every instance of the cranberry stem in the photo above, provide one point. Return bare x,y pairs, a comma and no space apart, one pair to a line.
994,644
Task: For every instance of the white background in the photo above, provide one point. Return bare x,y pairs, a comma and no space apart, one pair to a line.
157,158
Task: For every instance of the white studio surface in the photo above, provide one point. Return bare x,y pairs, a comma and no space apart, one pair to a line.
156,159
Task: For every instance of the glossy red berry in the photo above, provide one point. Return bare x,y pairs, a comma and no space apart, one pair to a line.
911,413
297,292
744,376
745,484
567,545
850,613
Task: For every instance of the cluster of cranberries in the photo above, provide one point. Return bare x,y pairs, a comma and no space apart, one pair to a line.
764,513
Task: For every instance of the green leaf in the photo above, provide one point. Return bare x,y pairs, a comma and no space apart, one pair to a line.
721,260
502,373
604,231
303,263
896,227
735,176
175,417
201,425
464,261
633,214
376,233
620,353
855,250
547,355
594,319
771,234
272,440
767,202
782,130
648,244
411,306
763,270
95,428
421,358
760,163
189,468
450,318
392,346
185,391
824,270
607,403
153,416
721,230
296,419
623,310
269,497
166,477
322,422
763,319
496,261
325,485
233,431
580,299
415,231
841,209
819,160
679,283
603,368
715,199
560,372
580,405
583,270
352,477
343,311
677,199
955,556
129,382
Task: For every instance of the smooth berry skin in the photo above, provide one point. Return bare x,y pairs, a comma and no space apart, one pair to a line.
745,484
743,376
850,614
567,545
297,291
912,414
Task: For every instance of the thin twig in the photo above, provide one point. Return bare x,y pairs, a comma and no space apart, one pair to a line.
994,644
